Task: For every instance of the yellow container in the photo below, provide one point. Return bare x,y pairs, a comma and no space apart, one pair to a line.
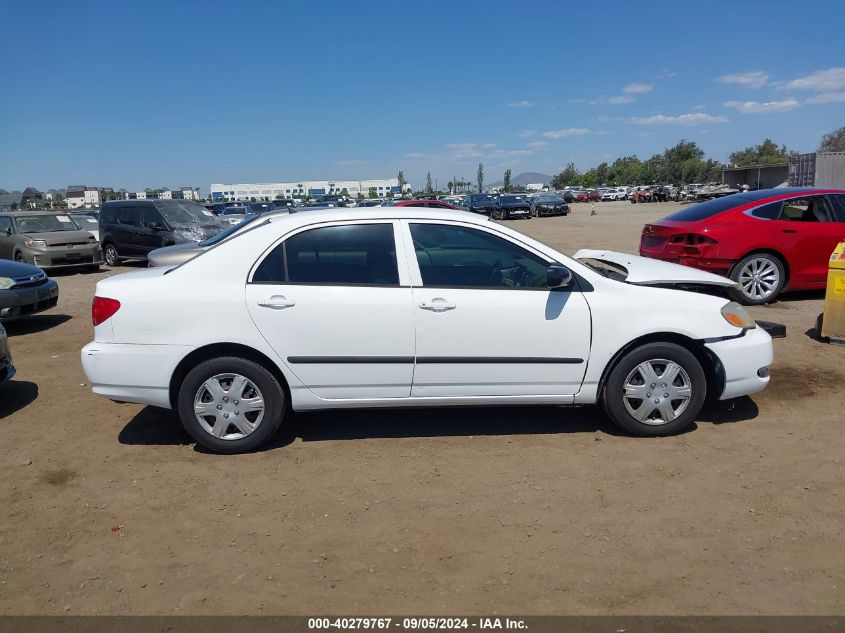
833,323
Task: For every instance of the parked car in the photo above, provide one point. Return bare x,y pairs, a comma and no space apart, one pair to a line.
480,203
87,223
7,369
548,204
425,202
509,207
568,195
130,229
25,290
260,325
48,240
93,213
179,253
371,202
215,207
587,195
766,241
609,195
235,214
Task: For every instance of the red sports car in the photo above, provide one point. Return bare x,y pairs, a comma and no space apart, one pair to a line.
766,241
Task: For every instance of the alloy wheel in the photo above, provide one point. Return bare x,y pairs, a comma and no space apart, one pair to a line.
657,391
759,278
229,406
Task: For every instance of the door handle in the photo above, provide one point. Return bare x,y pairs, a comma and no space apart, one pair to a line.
789,230
277,302
437,305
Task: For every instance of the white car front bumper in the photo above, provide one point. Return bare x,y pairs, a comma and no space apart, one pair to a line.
744,361
132,373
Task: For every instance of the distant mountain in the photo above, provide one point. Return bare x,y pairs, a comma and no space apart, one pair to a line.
527,178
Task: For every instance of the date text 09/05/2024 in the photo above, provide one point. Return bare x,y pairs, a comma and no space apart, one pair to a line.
416,623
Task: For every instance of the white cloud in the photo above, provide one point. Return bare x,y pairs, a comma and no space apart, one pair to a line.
827,97
757,107
521,104
699,107
753,79
538,145
572,131
526,133
637,88
698,118
820,81
620,99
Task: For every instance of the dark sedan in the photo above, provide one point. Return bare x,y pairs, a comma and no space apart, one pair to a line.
548,205
25,290
508,207
7,370
480,203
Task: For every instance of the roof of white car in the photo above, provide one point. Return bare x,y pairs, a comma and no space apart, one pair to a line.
340,214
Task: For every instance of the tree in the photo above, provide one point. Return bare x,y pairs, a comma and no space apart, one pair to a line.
766,153
373,192
506,181
568,177
833,141
402,182
480,177
428,188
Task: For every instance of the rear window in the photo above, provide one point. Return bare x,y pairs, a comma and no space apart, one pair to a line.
705,210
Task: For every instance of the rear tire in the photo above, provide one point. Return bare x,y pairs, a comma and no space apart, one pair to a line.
667,404
231,404
761,277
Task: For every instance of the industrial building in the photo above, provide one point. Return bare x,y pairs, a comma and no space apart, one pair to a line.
272,191
756,176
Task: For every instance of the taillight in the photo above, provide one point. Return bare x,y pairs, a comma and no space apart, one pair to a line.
692,239
102,309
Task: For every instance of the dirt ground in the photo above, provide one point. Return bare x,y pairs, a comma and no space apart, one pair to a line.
110,509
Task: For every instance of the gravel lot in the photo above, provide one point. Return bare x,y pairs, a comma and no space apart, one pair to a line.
110,509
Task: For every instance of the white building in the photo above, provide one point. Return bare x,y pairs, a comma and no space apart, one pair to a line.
189,193
91,197
271,191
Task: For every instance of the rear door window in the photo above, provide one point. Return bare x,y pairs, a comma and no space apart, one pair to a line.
811,209
353,254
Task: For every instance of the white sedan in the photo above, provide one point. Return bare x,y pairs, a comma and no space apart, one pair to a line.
410,307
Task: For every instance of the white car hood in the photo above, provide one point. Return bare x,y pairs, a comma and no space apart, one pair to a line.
644,271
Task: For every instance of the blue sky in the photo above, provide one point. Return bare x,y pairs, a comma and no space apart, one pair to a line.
135,94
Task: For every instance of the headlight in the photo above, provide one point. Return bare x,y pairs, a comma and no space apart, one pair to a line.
738,316
35,243
6,283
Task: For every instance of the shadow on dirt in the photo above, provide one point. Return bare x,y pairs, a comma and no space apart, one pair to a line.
154,426
15,395
34,324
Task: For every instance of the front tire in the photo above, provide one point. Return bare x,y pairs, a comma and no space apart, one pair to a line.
110,255
231,404
655,390
761,278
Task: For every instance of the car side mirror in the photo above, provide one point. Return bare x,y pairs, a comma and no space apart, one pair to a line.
8,231
157,226
558,276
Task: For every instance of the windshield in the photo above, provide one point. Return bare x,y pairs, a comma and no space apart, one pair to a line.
45,223
549,199
481,198
222,235
234,210
510,199
85,221
186,213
